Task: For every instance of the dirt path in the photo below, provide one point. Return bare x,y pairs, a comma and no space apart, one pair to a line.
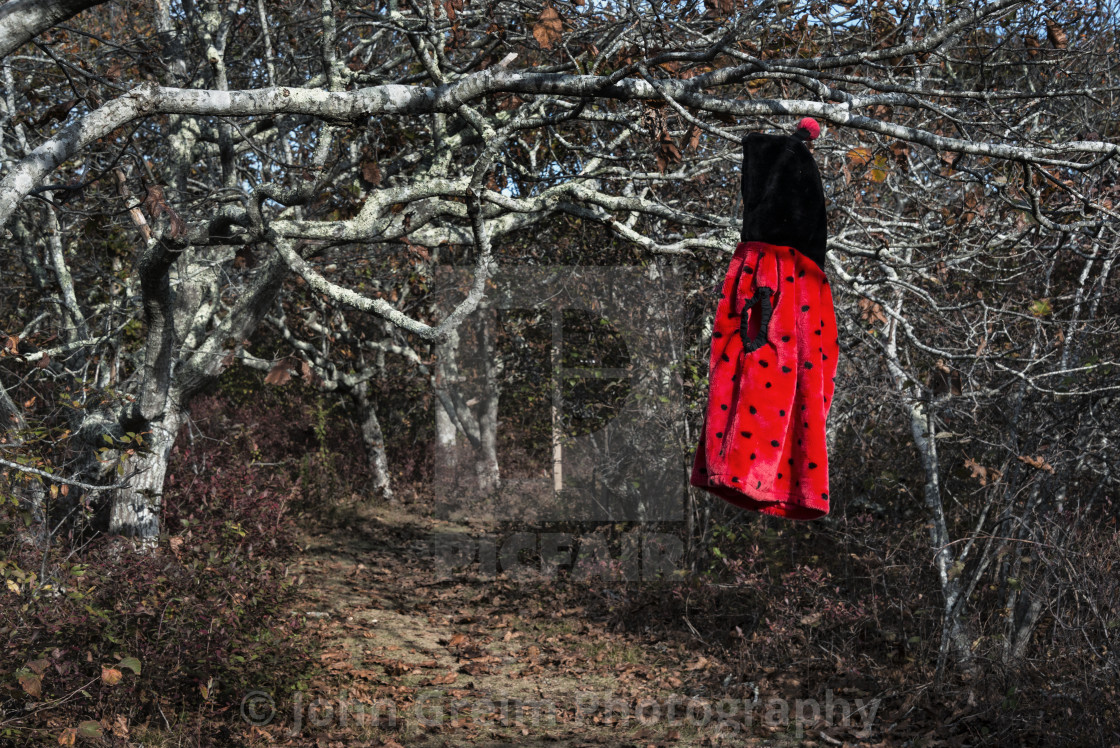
417,655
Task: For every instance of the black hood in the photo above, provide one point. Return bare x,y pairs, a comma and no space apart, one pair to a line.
783,198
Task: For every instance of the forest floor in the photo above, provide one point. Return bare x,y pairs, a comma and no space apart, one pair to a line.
413,652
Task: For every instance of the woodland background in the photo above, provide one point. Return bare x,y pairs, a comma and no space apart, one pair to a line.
224,223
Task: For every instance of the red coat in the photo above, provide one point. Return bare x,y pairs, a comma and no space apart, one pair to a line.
770,390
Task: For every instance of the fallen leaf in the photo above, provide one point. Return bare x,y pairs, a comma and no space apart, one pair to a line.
32,684
110,676
89,729
279,374
1037,462
442,680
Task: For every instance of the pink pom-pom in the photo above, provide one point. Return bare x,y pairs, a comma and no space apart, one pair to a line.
810,126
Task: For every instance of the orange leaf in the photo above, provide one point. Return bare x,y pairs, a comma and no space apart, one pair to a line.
69,736
986,475
110,676
878,171
870,311
548,28
859,156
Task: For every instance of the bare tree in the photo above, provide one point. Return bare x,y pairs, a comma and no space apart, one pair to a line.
210,155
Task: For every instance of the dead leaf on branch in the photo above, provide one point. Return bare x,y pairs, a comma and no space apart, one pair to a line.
945,379
984,474
452,7
371,173
156,204
859,156
548,28
871,312
1056,34
722,8
57,112
667,152
653,118
879,170
692,138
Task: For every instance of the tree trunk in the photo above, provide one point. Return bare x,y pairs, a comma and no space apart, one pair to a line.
955,637
136,508
374,441
447,438
474,413
30,494
486,457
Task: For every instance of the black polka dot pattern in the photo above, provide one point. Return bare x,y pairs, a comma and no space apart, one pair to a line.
764,460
